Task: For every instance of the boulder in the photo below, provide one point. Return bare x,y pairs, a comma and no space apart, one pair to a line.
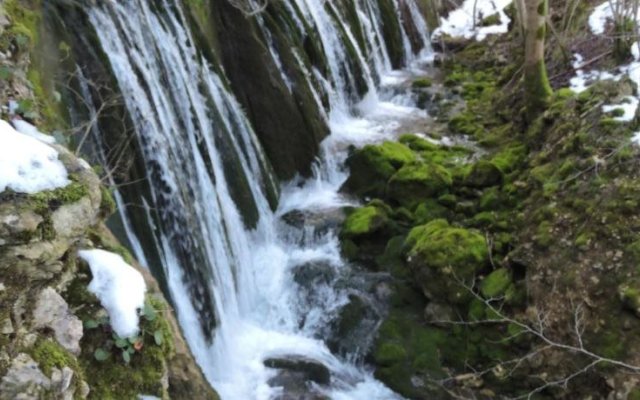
415,182
443,258
304,368
373,165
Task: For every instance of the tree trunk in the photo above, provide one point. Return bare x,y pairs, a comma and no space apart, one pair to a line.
537,90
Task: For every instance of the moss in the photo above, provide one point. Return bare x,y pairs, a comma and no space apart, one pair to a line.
491,199
364,221
493,19
49,354
510,158
46,200
496,283
114,379
389,354
422,83
417,181
442,255
107,202
629,295
429,210
373,165
482,174
537,89
416,143
544,236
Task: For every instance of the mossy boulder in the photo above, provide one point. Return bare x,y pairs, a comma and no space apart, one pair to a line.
444,258
417,181
496,283
364,221
373,165
483,174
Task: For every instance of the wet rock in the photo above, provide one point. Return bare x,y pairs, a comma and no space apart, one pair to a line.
24,380
300,368
320,222
52,311
314,273
352,331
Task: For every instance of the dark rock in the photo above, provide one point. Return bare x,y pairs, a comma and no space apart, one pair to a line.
299,367
320,221
313,273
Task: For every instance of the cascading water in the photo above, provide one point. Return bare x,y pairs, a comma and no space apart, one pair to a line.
235,288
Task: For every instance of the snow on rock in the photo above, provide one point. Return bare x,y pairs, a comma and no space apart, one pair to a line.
635,139
26,128
26,164
629,106
119,287
460,22
599,16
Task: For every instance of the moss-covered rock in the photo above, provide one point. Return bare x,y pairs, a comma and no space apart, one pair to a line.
364,221
483,174
496,283
373,165
417,181
445,258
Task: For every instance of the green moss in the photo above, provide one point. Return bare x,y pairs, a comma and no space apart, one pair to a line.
429,210
421,83
496,283
373,165
442,256
49,354
493,19
389,353
107,203
482,174
537,89
43,201
417,181
629,295
364,221
416,143
114,379
544,236
510,158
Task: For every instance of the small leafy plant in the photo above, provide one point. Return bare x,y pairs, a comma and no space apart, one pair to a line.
126,347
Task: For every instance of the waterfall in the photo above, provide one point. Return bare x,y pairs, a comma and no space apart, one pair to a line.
227,257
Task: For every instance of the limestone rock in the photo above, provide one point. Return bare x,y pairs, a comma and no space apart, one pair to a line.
53,312
24,380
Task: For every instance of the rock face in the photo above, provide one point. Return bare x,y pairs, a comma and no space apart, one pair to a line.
51,311
291,128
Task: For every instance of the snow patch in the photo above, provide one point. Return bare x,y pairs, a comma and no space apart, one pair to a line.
26,164
629,106
119,287
26,128
460,22
599,16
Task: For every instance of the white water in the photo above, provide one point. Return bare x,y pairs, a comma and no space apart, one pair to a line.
217,270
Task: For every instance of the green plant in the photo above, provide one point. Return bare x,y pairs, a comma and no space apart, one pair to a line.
127,347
